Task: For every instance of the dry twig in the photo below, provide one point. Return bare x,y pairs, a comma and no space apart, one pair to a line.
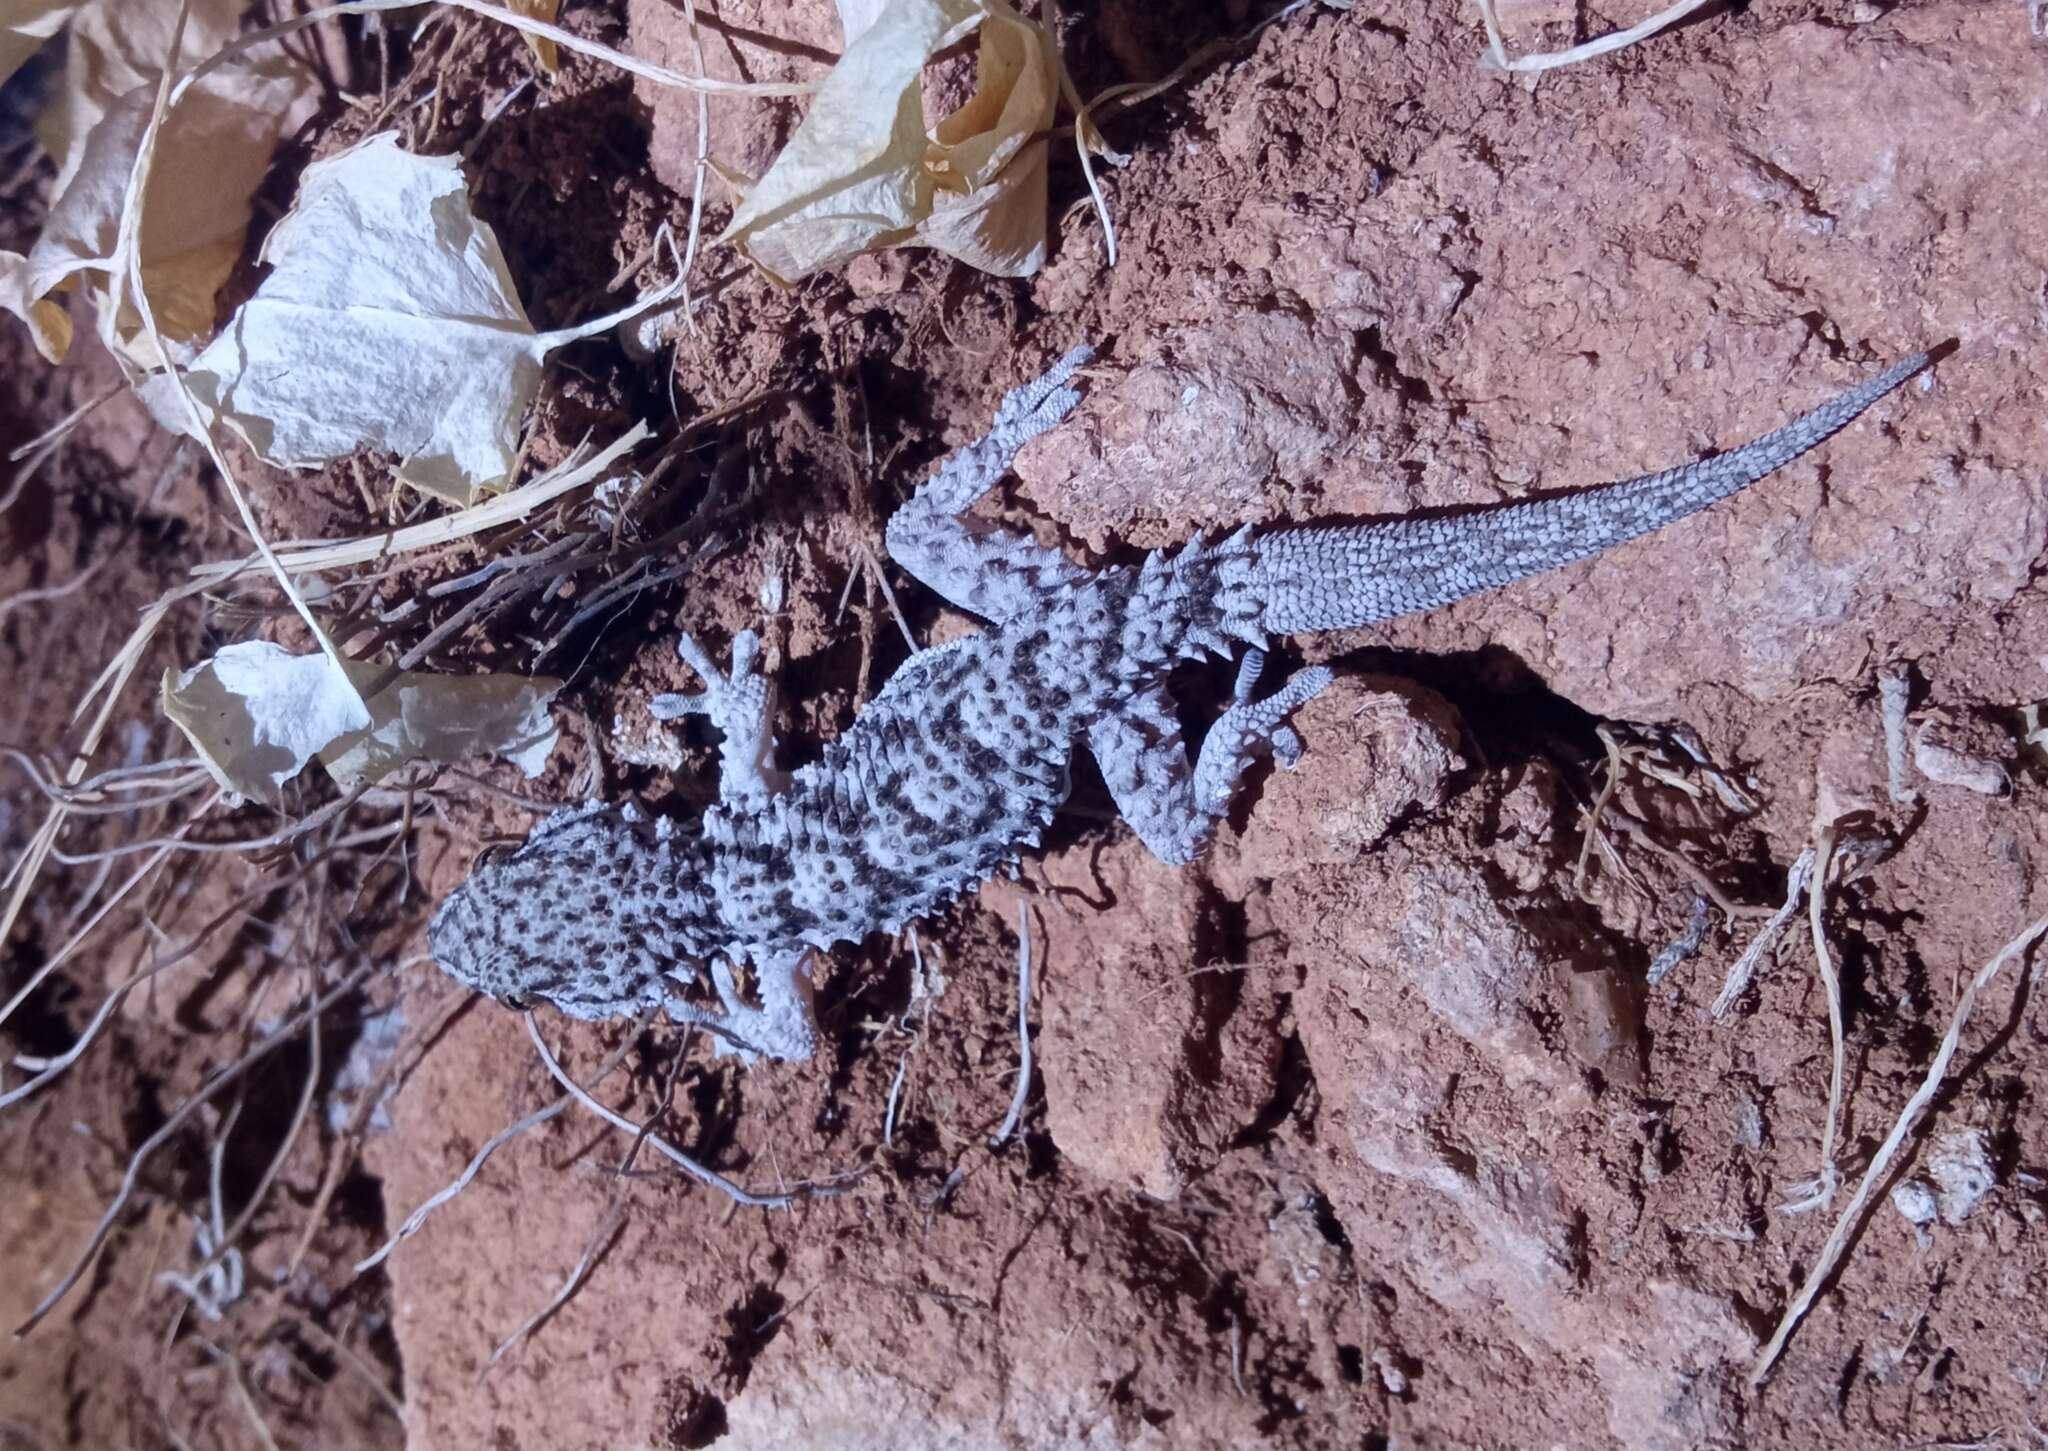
709,1177
231,1074
1821,1190
1831,1253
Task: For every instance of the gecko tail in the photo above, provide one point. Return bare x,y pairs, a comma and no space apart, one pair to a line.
1336,578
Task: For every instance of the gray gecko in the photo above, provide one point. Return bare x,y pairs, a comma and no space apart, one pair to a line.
958,765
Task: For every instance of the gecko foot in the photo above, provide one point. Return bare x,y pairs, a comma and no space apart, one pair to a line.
1249,726
783,1027
1034,407
733,700
740,704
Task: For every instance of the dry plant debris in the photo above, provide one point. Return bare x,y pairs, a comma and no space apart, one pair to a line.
1874,1177
862,172
209,157
1497,57
389,320
256,714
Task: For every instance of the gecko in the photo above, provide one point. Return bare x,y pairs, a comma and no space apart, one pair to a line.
957,766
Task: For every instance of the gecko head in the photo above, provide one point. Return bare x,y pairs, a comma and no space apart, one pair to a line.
590,914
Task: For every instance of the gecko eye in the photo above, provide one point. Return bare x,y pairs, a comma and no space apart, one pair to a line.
493,851
518,1002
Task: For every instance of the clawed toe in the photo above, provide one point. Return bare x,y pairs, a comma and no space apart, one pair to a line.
1249,726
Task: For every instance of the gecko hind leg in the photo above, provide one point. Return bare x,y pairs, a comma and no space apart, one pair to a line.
992,572
1250,726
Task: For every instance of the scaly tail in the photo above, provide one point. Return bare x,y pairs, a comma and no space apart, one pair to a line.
1335,578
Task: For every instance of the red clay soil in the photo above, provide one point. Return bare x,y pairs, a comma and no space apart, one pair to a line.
1369,1130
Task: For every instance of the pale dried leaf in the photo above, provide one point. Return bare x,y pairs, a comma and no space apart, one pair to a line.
855,16
389,320
25,25
48,324
211,154
989,210
257,713
115,47
862,173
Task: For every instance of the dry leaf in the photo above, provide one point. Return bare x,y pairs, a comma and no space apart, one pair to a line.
257,713
25,25
114,47
543,48
48,324
211,155
861,173
389,320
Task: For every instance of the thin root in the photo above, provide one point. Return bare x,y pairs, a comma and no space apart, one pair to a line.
1880,1166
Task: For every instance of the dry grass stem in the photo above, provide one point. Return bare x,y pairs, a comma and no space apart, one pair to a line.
1821,1190
493,513
415,1221
160,962
1746,965
243,1397
311,822
1497,57
526,25
64,953
1010,1120
1638,831
353,1359
225,1238
1607,789
607,1228
708,1177
1880,1166
101,796
56,431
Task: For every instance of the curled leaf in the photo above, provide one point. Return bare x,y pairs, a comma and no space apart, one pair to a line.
210,157
25,25
257,713
389,320
49,325
114,47
863,173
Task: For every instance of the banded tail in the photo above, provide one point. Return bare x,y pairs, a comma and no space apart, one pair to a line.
1336,578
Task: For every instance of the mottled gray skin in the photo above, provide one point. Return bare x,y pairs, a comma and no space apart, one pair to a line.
958,765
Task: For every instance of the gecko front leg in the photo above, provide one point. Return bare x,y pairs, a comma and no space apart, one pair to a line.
784,1027
741,706
1145,765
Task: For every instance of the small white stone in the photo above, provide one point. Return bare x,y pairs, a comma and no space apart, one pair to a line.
1914,1200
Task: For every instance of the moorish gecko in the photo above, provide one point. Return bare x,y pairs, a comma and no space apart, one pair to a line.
959,764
